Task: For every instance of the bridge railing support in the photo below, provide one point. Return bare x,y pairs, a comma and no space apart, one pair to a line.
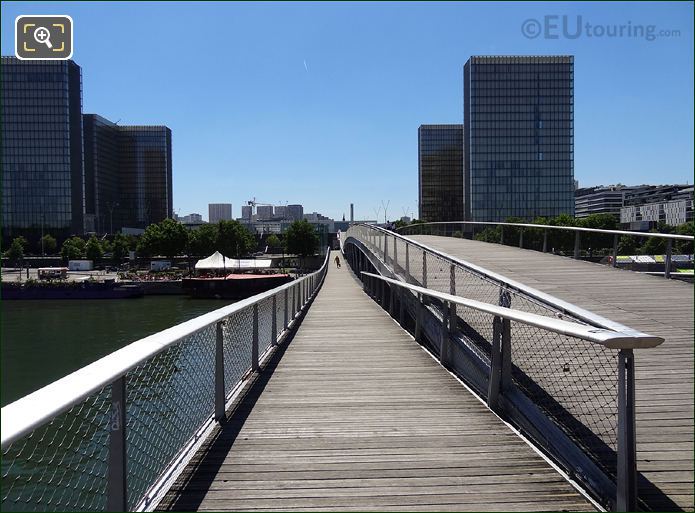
117,490
627,449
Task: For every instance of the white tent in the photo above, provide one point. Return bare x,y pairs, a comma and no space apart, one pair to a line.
218,261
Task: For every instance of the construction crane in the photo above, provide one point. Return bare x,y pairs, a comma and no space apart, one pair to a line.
253,203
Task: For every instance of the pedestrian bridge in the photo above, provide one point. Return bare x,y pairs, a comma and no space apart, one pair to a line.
429,373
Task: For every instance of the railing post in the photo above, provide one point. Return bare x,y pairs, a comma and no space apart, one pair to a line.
615,250
627,466
219,373
667,263
287,297
117,489
386,249
392,302
493,389
395,254
424,269
418,317
577,242
506,354
254,342
298,297
407,262
453,314
444,335
274,326
545,240
521,238
401,306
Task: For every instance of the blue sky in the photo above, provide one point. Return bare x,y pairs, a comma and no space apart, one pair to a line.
319,103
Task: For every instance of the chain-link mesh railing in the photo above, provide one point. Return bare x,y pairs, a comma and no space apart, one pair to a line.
573,382
62,464
60,447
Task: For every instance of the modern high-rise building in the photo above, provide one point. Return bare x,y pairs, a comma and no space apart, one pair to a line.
294,212
42,160
146,181
219,212
518,137
127,175
440,172
102,175
246,212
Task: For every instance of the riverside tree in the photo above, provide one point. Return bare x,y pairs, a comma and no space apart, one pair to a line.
93,249
15,252
233,239
73,248
48,244
203,240
168,238
301,238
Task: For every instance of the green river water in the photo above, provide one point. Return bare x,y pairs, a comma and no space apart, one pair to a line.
43,341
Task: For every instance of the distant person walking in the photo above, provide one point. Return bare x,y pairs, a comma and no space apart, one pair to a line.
337,262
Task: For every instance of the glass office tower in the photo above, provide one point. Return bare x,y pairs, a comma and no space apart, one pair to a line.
101,161
42,161
440,172
145,175
127,175
518,137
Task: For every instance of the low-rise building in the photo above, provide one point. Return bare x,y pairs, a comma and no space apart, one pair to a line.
649,205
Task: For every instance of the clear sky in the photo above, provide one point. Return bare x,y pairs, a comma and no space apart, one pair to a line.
319,103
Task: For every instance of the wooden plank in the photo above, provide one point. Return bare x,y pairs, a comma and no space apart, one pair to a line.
355,415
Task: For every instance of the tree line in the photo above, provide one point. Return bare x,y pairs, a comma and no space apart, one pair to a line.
170,238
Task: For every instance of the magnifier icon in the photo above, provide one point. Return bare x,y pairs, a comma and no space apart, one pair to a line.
43,36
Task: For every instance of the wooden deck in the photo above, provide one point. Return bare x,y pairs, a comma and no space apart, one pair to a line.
664,375
353,415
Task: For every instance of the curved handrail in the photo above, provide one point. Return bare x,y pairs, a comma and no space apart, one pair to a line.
605,337
545,298
555,227
33,410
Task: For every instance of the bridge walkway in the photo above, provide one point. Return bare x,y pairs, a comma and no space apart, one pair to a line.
353,414
664,375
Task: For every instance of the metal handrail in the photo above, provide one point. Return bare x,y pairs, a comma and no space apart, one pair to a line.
605,337
33,410
547,299
556,227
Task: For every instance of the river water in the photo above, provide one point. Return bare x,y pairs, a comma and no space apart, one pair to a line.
43,341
